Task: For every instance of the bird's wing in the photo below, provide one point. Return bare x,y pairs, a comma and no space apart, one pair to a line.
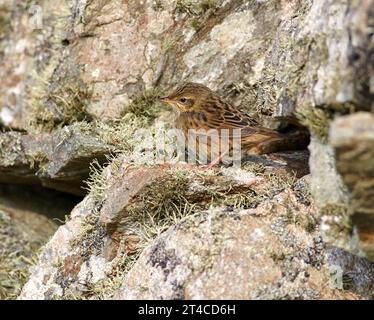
231,118
227,117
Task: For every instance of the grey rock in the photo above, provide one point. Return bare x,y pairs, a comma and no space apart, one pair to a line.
327,186
352,271
59,160
22,234
238,255
352,138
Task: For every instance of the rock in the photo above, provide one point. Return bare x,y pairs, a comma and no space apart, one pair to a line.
76,89
92,256
48,276
59,161
327,186
22,233
331,196
290,161
277,56
52,204
352,271
352,138
29,216
31,36
127,207
125,188
264,253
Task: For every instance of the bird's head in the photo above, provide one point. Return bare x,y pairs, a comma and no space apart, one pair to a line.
189,97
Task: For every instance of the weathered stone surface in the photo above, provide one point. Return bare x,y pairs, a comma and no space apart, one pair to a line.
352,138
327,186
31,35
59,161
331,196
126,208
46,275
28,218
303,62
289,161
253,254
269,57
355,272
22,233
258,210
125,188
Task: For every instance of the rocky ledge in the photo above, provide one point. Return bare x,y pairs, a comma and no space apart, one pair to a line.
86,212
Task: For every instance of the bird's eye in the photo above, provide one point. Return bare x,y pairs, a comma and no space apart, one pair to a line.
183,100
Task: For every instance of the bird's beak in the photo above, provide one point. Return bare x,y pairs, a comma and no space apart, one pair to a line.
165,99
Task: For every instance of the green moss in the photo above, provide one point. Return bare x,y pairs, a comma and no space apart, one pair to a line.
38,160
121,134
157,5
196,23
197,11
145,105
255,168
71,103
279,181
311,226
17,255
5,21
188,7
341,212
96,183
49,110
90,240
196,8
206,5
243,200
278,256
159,206
316,120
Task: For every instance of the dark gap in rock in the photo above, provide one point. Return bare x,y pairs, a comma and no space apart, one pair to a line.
53,204
365,227
4,128
65,42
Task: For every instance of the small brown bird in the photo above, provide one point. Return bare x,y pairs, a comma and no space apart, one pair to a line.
199,108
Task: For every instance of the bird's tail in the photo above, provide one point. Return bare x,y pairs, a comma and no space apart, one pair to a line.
293,140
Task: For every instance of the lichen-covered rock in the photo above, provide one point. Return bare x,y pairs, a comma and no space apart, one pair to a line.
103,64
31,35
214,215
127,207
269,57
271,252
352,138
354,272
59,160
56,263
22,233
330,195
29,216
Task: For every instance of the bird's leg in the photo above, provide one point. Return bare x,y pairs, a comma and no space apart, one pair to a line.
256,150
218,159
